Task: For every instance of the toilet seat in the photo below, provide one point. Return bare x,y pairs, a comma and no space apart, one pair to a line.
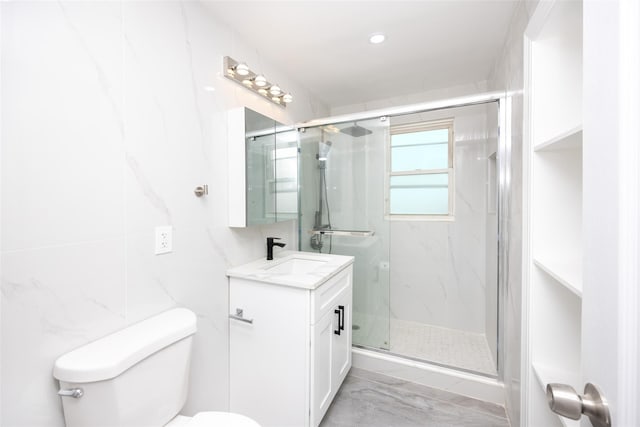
213,419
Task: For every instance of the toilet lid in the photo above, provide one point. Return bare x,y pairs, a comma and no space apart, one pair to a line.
221,419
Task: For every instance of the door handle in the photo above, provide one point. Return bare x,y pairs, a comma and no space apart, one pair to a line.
565,401
341,318
337,331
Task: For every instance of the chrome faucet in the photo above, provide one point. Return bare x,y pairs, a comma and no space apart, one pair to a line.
271,244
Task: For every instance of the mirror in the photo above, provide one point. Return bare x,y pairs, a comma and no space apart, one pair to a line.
267,190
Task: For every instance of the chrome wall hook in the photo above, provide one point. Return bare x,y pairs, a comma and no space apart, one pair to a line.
202,190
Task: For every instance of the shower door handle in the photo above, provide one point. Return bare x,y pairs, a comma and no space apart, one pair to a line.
337,331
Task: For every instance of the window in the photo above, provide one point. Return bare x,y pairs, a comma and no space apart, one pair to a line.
420,179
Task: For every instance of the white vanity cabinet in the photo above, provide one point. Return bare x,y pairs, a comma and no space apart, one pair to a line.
290,348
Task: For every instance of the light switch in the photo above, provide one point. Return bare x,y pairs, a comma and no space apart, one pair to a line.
164,239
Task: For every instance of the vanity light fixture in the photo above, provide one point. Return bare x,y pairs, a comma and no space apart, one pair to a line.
240,73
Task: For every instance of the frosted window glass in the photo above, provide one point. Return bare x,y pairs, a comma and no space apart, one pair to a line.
419,194
420,150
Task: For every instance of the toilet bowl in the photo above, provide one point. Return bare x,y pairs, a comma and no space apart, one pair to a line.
209,419
136,377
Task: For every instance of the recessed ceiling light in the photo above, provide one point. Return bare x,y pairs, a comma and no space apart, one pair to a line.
376,38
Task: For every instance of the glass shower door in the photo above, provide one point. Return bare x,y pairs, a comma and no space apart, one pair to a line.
342,173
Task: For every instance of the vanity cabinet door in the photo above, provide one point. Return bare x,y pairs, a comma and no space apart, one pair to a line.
268,353
341,348
331,344
321,357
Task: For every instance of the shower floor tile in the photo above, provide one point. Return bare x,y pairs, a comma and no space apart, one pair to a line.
446,346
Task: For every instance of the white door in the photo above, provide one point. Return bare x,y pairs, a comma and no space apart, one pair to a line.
610,302
582,221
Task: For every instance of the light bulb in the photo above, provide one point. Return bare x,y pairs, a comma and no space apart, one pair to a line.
287,98
242,69
260,80
247,82
275,90
263,92
276,99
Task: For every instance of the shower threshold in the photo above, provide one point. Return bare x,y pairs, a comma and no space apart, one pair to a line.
455,380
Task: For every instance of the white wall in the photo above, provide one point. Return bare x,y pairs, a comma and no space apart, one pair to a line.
438,268
414,98
112,113
507,74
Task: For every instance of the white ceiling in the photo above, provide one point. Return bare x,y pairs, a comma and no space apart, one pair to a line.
324,44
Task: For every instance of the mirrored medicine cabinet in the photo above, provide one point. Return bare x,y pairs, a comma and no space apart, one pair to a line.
263,169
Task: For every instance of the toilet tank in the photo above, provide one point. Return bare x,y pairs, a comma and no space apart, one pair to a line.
136,377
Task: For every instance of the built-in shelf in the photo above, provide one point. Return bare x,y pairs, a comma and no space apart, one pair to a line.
570,139
546,375
566,273
554,141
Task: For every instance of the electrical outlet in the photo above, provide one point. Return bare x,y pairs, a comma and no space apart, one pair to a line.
164,239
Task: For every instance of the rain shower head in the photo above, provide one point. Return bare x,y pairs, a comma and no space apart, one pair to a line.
356,130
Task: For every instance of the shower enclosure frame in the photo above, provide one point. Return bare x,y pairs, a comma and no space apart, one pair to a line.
503,100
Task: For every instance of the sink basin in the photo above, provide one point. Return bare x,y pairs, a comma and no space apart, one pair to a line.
296,266
305,270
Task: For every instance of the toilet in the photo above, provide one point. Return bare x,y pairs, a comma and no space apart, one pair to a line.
136,377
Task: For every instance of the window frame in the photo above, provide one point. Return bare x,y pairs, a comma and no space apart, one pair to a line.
422,126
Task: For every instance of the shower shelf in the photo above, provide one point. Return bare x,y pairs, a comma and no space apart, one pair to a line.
353,233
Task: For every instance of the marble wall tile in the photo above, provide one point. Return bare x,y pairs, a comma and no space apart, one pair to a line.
438,268
113,112
508,74
54,300
62,100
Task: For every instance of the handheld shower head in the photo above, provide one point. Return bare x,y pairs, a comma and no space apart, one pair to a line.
323,149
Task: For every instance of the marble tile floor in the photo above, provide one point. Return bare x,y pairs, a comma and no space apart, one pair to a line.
374,400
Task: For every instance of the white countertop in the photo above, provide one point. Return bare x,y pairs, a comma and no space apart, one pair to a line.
262,270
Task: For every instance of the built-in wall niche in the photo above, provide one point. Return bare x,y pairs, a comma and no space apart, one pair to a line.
553,205
263,169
